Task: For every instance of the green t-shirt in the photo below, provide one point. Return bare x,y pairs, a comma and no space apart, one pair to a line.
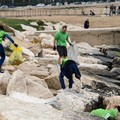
104,113
2,33
61,38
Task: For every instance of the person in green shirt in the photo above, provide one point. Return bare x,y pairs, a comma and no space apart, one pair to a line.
60,42
110,113
4,35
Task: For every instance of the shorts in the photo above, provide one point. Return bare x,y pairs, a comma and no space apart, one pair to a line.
62,51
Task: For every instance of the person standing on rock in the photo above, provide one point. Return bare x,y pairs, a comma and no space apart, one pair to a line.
4,35
69,67
60,42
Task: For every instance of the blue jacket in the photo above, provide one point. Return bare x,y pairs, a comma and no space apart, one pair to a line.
69,68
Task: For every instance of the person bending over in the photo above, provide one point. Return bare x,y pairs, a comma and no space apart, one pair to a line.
69,67
4,35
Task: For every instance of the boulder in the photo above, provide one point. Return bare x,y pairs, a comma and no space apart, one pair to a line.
29,85
9,68
36,89
72,102
4,80
53,82
40,74
28,66
89,60
93,66
27,52
87,49
34,69
35,49
115,72
17,83
34,23
46,40
29,30
101,85
2,117
21,110
116,62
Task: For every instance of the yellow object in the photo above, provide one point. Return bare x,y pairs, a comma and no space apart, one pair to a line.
16,56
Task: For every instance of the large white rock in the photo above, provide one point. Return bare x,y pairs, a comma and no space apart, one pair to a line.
85,48
71,101
13,109
31,68
89,60
28,28
29,85
93,66
17,83
27,52
36,89
47,40
34,23
4,80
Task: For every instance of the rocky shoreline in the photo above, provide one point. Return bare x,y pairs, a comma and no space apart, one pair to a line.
29,91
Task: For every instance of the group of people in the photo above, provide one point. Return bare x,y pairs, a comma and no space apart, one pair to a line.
67,68
112,10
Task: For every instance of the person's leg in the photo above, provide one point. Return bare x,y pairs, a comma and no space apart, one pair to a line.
60,60
61,79
2,54
70,82
60,52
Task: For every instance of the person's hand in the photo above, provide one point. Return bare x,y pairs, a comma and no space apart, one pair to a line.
16,45
54,48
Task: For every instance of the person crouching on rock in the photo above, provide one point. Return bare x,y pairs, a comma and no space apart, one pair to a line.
4,35
110,113
60,42
69,67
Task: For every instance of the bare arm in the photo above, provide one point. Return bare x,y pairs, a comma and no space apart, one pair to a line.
111,106
69,40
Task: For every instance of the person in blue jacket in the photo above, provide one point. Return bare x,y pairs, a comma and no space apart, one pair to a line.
4,35
69,67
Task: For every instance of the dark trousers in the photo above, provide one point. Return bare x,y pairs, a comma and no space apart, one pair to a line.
61,79
2,55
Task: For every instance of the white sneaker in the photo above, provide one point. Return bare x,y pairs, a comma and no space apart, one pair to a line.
69,90
61,90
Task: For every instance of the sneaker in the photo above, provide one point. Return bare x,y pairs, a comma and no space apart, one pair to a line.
62,91
69,90
1,71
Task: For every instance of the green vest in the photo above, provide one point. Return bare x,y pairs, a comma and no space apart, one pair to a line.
2,33
104,113
64,61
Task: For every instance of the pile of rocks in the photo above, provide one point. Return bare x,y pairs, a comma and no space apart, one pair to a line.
30,90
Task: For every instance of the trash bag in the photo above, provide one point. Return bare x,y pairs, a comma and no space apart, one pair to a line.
16,56
73,52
